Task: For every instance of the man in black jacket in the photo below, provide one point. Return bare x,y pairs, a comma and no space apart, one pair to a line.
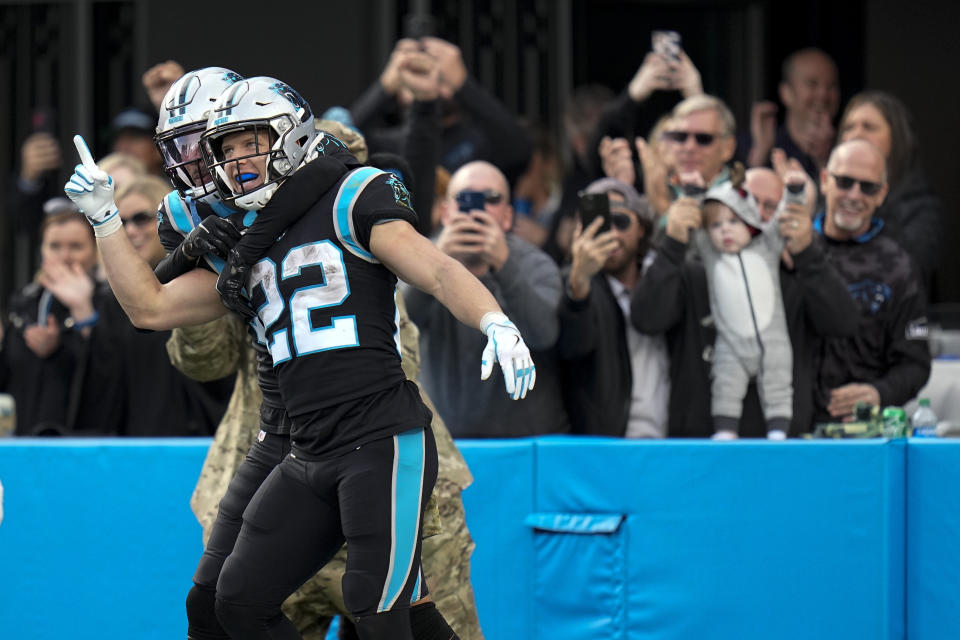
616,379
887,361
672,298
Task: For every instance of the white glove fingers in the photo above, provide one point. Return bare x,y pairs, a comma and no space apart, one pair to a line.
509,377
81,172
486,361
522,383
86,158
533,376
75,186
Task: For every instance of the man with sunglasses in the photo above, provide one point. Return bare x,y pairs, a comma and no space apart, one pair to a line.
477,218
887,361
617,380
672,298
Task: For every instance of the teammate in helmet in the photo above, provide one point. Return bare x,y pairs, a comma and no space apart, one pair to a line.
325,335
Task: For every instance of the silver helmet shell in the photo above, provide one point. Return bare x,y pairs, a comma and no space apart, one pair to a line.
279,128
183,118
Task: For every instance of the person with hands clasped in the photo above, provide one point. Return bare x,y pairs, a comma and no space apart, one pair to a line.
50,337
368,414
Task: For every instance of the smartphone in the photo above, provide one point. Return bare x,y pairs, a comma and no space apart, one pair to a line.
694,191
418,25
795,193
666,44
468,201
591,206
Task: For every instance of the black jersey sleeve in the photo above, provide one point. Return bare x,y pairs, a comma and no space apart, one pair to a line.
383,198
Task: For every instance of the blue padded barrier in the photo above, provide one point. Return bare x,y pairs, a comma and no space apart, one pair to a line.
709,540
755,540
97,540
933,539
497,503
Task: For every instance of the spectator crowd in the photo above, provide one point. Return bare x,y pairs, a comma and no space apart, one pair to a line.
746,281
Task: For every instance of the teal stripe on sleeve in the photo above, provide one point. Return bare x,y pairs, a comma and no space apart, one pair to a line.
349,192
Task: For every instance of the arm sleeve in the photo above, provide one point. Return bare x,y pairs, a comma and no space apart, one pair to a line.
371,105
658,300
208,351
826,301
530,292
510,143
577,324
908,357
293,199
422,150
624,118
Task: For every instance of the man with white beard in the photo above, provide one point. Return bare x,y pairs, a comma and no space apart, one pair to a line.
887,361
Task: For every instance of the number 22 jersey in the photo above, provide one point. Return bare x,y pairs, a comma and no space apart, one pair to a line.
326,312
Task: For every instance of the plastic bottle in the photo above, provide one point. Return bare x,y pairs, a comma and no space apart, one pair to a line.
924,420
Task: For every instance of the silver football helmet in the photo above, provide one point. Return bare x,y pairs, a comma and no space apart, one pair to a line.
183,117
258,133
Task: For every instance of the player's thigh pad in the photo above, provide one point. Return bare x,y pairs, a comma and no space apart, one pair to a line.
383,489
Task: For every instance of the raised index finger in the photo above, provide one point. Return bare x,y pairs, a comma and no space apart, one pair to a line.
86,158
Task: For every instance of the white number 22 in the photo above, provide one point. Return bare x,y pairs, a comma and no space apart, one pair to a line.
331,292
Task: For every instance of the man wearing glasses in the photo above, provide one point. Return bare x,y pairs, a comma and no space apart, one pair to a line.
887,361
477,218
702,139
618,381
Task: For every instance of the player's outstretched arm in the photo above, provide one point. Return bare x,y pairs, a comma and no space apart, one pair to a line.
414,259
189,299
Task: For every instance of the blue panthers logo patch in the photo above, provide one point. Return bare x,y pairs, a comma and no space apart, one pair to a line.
870,294
400,193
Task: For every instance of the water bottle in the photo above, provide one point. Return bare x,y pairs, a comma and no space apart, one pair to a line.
924,420
8,415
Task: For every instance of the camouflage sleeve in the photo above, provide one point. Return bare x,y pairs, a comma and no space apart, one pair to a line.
208,351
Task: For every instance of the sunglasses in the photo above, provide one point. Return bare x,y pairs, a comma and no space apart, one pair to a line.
140,219
867,188
680,137
620,221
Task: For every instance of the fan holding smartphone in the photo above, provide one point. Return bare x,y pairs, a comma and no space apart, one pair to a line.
621,384
666,68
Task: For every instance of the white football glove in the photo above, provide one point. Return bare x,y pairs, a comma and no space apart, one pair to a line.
92,190
506,346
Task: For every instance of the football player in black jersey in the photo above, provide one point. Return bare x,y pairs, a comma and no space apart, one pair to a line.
198,229
362,463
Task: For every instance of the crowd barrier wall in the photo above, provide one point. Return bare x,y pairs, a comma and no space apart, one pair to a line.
577,538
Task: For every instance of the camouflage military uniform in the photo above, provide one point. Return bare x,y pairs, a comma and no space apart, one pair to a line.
218,348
